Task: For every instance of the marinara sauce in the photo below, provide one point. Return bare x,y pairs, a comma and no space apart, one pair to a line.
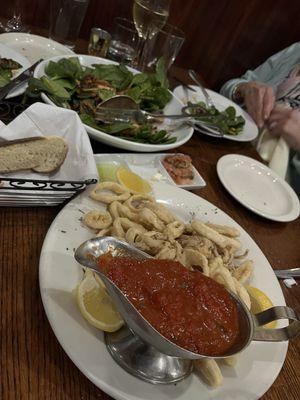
186,307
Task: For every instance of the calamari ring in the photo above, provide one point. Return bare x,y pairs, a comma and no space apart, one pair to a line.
120,192
97,219
118,209
138,201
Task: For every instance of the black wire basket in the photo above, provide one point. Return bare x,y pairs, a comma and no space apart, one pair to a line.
15,192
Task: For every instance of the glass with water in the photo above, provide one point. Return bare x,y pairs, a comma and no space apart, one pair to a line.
66,18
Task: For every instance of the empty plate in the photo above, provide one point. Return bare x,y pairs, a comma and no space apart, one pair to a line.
258,188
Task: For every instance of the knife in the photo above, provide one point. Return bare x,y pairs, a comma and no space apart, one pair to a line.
23,77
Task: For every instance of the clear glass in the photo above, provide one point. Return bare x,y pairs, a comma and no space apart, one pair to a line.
125,40
66,17
167,44
99,42
15,23
149,17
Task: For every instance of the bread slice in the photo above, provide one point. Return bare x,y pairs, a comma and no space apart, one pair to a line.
45,154
52,155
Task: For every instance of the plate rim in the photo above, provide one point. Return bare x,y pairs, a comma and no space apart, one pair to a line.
237,138
40,38
105,137
291,216
108,388
25,64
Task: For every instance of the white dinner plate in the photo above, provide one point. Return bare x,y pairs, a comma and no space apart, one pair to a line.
250,130
173,107
258,188
257,367
33,47
7,52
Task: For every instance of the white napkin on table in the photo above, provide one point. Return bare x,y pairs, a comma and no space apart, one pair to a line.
45,120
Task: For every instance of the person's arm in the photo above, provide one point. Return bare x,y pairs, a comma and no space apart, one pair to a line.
271,72
257,89
285,122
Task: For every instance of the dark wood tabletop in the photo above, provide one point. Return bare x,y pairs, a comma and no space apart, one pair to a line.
34,365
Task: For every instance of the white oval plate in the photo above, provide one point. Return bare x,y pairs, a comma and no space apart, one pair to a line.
257,367
258,188
7,52
250,130
34,47
173,107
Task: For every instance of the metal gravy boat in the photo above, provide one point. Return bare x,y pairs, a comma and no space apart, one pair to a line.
142,350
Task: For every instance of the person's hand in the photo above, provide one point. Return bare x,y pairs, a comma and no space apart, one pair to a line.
285,122
259,99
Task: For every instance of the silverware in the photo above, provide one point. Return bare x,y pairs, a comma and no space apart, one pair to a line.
184,85
123,108
208,99
120,345
23,77
287,273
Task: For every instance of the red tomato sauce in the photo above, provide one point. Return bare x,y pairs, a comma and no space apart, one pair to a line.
186,307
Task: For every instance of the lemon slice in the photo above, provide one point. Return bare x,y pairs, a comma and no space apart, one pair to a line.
132,181
260,302
107,172
96,305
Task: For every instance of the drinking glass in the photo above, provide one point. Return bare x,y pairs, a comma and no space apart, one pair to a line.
15,23
123,47
99,42
149,17
66,18
166,43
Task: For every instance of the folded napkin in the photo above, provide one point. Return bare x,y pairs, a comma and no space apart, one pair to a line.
275,152
45,120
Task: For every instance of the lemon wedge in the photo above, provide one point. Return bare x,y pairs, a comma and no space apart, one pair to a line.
132,181
96,305
260,302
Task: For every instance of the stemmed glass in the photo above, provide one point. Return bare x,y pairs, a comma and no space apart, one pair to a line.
14,24
149,17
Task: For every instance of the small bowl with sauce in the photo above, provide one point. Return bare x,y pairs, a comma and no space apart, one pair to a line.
180,171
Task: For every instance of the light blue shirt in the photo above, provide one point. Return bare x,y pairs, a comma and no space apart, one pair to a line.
272,72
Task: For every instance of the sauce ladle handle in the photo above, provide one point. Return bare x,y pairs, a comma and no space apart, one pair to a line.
280,334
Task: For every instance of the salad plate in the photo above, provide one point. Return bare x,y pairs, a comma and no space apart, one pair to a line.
257,367
181,133
6,52
250,130
33,47
258,188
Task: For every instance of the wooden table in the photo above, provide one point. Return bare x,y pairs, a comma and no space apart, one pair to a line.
33,364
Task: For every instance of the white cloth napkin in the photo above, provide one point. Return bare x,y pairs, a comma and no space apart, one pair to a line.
275,152
45,120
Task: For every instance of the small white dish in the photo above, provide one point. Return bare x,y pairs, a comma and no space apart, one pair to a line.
34,47
6,52
258,188
182,134
197,183
250,130
149,167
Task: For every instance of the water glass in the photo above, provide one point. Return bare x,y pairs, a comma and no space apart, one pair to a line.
66,18
166,43
123,47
